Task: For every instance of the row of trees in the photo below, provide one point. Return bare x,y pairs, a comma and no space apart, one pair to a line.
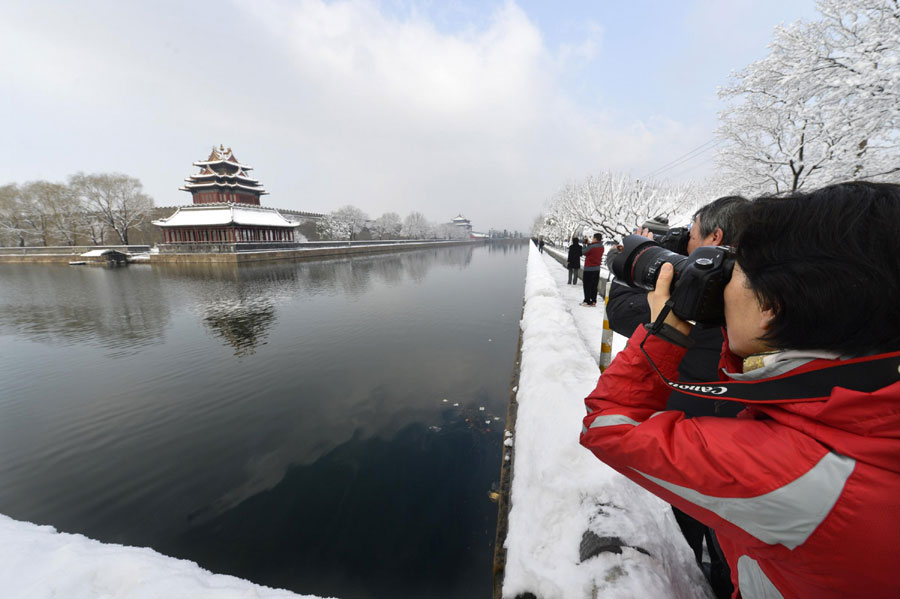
822,107
614,204
349,222
88,208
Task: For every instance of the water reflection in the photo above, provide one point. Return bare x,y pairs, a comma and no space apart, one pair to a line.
310,398
355,522
242,323
121,309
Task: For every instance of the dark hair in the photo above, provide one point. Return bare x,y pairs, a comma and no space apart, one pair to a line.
598,237
723,213
575,240
828,264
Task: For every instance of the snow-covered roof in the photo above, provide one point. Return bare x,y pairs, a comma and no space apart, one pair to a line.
192,186
225,214
204,176
222,154
95,253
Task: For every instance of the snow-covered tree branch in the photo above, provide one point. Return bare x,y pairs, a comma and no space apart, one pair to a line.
823,106
614,204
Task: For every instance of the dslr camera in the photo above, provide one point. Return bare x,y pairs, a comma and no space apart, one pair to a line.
674,239
698,283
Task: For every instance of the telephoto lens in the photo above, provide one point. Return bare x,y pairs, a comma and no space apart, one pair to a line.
698,281
638,264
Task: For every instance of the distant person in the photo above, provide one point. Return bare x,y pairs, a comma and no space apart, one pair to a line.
593,259
573,263
541,245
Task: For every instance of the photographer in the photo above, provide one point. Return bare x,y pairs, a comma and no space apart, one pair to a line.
590,279
716,223
803,489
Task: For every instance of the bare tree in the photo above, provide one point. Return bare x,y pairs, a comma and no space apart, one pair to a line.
12,225
344,223
388,225
416,226
54,209
39,202
118,200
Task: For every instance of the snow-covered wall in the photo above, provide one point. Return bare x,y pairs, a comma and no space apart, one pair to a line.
564,500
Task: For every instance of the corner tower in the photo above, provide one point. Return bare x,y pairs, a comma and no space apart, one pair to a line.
223,180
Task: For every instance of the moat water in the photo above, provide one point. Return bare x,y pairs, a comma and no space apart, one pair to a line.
330,427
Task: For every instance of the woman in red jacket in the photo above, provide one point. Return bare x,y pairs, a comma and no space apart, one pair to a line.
590,278
803,488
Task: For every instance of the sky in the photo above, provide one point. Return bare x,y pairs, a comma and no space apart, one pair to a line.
481,108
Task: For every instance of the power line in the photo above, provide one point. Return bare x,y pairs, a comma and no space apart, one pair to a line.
686,154
687,157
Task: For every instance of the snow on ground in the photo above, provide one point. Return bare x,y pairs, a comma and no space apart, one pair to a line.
37,562
559,489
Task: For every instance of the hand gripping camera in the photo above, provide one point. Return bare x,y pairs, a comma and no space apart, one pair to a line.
699,280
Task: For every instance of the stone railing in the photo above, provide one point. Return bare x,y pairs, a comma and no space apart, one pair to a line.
70,249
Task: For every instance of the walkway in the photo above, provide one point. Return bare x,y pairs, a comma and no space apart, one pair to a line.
577,528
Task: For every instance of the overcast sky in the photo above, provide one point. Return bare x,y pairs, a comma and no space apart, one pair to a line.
481,108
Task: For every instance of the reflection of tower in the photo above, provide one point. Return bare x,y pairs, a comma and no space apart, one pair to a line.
244,324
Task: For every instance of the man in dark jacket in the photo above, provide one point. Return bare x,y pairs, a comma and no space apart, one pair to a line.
573,263
717,223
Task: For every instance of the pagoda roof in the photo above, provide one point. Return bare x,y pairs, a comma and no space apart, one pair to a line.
207,172
214,184
211,176
206,215
222,155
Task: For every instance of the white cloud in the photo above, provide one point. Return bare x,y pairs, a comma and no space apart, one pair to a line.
335,103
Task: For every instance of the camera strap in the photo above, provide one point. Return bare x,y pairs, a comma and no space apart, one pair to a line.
810,382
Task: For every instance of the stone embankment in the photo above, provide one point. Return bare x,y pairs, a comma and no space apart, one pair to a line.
61,254
251,253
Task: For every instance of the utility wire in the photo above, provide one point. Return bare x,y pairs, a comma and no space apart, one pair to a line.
687,157
687,154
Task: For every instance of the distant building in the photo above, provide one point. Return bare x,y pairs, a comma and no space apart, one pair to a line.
463,223
226,211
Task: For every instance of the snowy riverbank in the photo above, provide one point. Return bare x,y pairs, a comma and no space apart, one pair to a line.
37,562
565,503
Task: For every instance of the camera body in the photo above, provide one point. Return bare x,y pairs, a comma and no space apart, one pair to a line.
698,283
674,239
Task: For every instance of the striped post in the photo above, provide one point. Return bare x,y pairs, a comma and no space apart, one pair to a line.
606,339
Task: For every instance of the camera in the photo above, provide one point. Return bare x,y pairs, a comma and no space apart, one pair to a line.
698,283
674,239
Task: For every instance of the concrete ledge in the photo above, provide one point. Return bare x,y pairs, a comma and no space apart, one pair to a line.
297,254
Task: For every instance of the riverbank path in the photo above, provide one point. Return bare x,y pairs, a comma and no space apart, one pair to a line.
577,528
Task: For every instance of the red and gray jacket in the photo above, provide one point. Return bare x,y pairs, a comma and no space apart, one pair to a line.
804,496
593,257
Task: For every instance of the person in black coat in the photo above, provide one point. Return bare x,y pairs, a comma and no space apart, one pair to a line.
573,263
